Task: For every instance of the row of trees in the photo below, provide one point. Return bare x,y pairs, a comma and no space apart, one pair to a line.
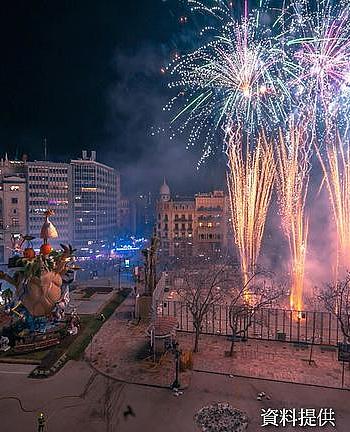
208,285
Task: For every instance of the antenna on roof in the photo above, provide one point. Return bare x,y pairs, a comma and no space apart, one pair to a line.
45,149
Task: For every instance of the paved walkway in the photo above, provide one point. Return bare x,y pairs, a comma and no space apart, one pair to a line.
120,350
269,360
91,305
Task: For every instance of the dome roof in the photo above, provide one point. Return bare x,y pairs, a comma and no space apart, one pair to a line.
164,189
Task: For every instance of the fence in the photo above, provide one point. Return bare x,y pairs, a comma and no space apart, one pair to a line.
311,327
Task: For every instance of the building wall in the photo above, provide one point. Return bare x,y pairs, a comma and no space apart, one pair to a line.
49,185
194,226
211,223
13,220
175,227
144,208
96,192
84,196
127,217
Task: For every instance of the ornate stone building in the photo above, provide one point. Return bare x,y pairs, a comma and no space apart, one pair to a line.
196,226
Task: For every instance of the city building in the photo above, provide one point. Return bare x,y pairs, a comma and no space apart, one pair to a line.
96,197
13,210
144,208
193,226
127,217
49,186
211,222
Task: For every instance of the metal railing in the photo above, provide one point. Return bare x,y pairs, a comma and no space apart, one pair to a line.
309,327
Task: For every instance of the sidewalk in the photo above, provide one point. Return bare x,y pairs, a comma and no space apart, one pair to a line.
120,350
268,360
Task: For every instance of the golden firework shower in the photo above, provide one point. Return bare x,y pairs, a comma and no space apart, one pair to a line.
250,182
292,174
336,168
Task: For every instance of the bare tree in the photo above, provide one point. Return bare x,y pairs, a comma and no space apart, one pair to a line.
249,299
336,300
201,288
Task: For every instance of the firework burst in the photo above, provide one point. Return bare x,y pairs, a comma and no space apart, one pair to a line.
321,51
237,77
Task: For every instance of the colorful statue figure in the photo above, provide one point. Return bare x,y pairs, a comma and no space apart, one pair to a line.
38,280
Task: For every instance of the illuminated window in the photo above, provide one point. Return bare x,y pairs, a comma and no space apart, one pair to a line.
14,188
15,222
210,224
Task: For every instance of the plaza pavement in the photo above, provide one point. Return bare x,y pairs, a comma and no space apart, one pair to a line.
90,305
269,360
80,398
115,350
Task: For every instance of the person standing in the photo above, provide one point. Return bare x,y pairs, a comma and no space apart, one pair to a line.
41,422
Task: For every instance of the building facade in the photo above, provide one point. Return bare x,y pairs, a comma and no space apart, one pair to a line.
13,212
84,196
192,227
127,217
144,208
49,185
96,196
211,222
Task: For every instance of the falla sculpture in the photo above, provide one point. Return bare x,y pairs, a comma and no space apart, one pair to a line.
38,277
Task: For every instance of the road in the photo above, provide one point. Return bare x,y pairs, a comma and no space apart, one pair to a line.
77,399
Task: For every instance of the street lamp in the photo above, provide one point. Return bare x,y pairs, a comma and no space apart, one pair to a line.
119,271
176,384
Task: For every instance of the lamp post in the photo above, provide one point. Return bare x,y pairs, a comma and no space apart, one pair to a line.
176,384
119,272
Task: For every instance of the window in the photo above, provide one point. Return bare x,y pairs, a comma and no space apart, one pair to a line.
15,222
14,200
14,188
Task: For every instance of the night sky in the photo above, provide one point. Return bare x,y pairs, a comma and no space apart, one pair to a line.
85,74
